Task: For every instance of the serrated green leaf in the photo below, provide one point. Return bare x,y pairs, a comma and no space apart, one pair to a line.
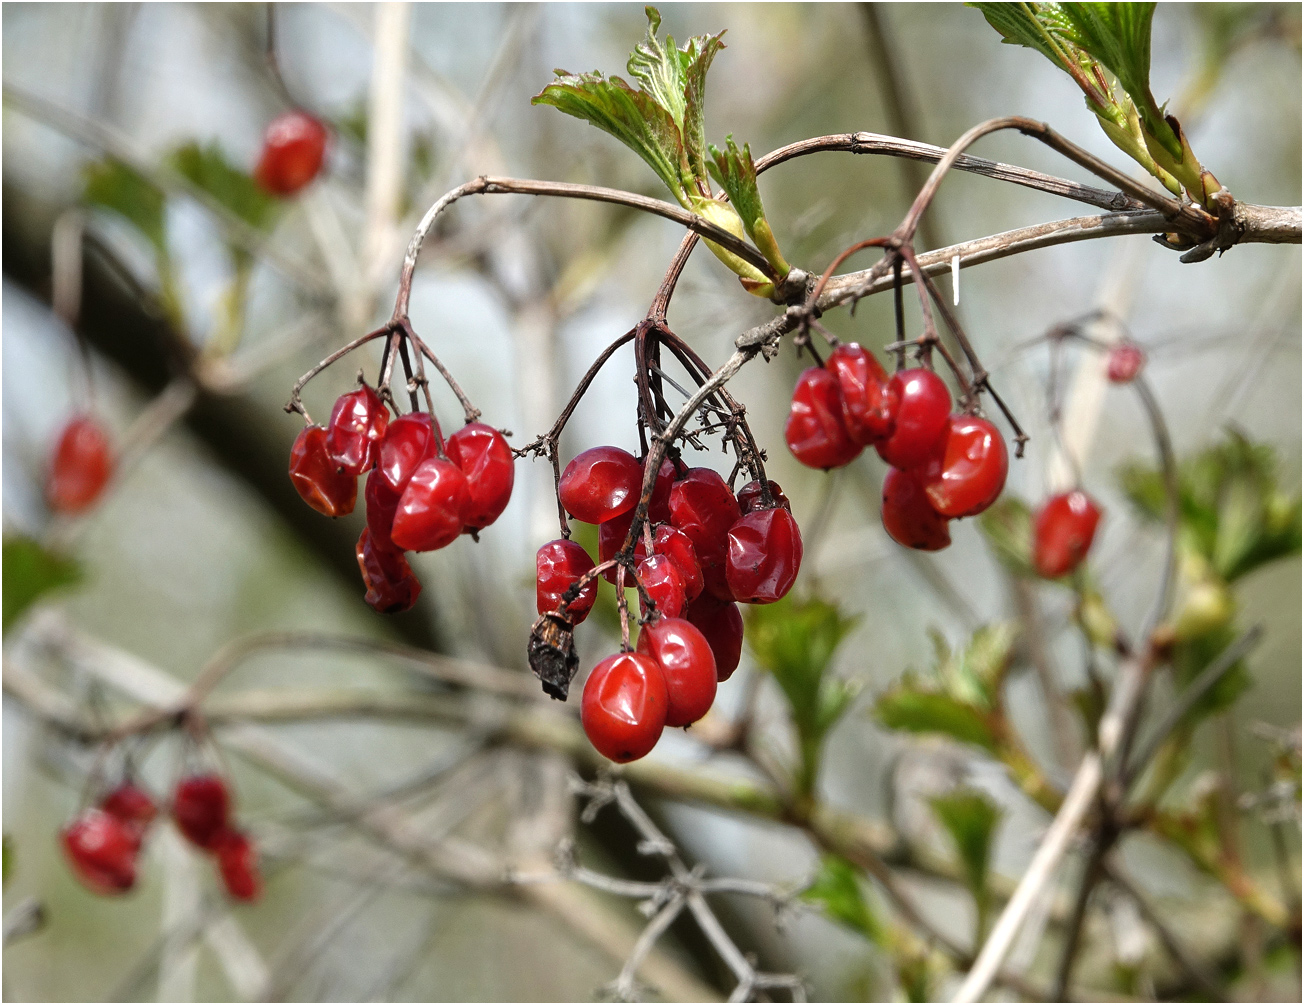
838,892
30,572
915,709
1019,24
1007,526
735,172
795,641
208,169
120,189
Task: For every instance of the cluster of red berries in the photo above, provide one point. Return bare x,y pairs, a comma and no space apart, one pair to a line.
294,146
944,465
103,843
1062,532
422,491
81,467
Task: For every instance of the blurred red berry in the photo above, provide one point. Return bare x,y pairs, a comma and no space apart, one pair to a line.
102,851
1062,533
1125,361
294,146
132,805
908,517
721,623
237,862
81,467
201,807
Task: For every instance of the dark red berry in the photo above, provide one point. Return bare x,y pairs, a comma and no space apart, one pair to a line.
1125,361
624,706
664,584
318,479
923,407
1062,533
558,566
658,507
382,503
676,546
102,851
687,664
611,535
869,401
392,586
293,148
429,514
815,431
132,805
764,556
600,483
702,506
237,862
81,468
485,457
358,422
750,498
908,517
408,441
721,623
201,807
967,472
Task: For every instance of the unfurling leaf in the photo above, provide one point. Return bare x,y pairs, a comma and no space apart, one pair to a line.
836,890
30,572
911,707
735,172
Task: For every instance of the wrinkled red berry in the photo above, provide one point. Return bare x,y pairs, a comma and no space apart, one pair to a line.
624,706
485,457
869,401
664,584
382,503
293,148
658,506
392,586
702,506
237,862
1062,533
687,664
102,851
317,479
82,465
408,441
559,565
676,546
201,807
923,407
358,422
815,431
133,806
1125,361
908,517
611,535
764,556
968,470
750,498
429,514
721,623
600,483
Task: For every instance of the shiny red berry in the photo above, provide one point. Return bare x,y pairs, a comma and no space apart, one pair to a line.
1125,361
721,624
624,706
869,401
658,507
600,483
664,584
293,148
967,472
815,431
558,566
381,503
908,517
318,479
1062,533
237,862
429,514
923,407
201,808
132,805
673,543
702,506
750,498
82,465
408,441
102,851
764,556
687,664
358,422
392,586
485,457
611,535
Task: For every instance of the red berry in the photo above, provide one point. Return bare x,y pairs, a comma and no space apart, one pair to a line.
764,556
201,807
750,499
293,148
392,586
429,514
486,459
722,625
924,405
968,471
102,850
358,422
1125,361
317,479
664,584
81,468
658,507
702,506
1062,533
624,706
237,861
675,545
908,516
600,483
869,401
132,806
382,504
611,535
408,441
815,431
687,664
559,565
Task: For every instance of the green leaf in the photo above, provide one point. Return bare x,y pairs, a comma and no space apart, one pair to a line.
30,571
735,172
1192,656
838,892
208,169
1007,525
7,859
120,189
909,706
1020,24
970,818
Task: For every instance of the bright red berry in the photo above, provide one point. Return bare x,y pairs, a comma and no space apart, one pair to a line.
429,514
968,471
600,483
750,498
869,401
201,807
815,431
318,479
908,517
924,405
102,851
358,422
558,566
1125,361
293,148
132,805
702,506
1062,533
485,457
664,584
721,624
624,706
687,664
764,556
237,861
408,441
676,546
392,586
81,468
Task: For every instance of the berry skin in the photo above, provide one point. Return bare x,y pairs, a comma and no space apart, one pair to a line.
408,441
201,807
558,565
687,664
624,706
815,431
923,409
764,556
658,507
429,514
702,506
358,422
908,517
968,471
600,483
1062,533
675,545
294,146
102,851
750,500
721,624
486,459
382,504
132,806
869,401
1125,361
611,535
81,467
664,584
392,586
237,862
317,478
